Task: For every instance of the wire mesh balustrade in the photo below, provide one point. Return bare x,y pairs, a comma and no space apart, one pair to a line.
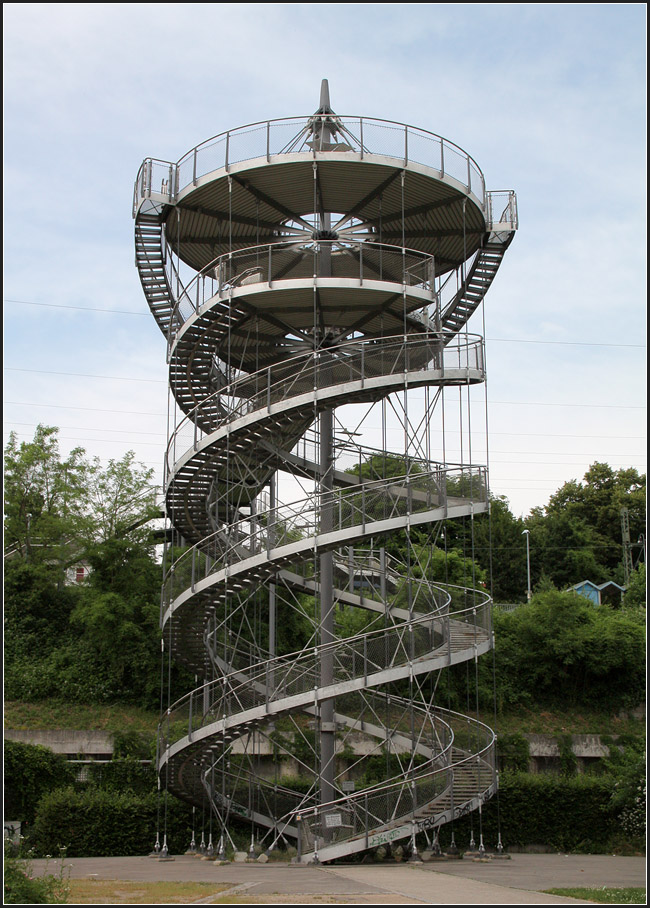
296,675
370,502
288,136
353,361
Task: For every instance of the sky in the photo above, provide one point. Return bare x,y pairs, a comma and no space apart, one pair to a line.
549,99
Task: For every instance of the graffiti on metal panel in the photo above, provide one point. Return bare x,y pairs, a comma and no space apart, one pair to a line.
383,838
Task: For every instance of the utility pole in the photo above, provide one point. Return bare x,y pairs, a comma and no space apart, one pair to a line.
627,545
529,592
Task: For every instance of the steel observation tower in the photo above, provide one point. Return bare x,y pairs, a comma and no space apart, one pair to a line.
314,278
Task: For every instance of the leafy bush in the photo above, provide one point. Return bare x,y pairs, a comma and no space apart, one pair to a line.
513,751
560,649
564,813
629,795
101,822
22,888
29,772
124,774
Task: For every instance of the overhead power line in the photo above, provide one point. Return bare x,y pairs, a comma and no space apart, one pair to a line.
504,340
527,403
31,403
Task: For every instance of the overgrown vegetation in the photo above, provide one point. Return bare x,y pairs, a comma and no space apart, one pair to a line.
569,814
30,771
87,655
606,895
21,887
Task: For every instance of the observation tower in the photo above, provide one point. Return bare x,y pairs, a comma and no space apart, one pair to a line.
314,278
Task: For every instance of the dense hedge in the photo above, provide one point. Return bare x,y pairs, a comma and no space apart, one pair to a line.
106,823
564,813
29,772
123,774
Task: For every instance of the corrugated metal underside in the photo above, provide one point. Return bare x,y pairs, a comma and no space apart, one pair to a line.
259,330
248,207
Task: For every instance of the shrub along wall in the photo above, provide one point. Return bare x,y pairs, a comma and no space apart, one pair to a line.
567,814
29,772
106,823
563,813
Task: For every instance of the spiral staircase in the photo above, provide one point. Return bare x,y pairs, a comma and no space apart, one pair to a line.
305,271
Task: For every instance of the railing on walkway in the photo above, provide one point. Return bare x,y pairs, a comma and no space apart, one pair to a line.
219,705
354,506
272,263
361,360
289,136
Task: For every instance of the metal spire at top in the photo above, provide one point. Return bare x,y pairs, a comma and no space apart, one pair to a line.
324,125
325,107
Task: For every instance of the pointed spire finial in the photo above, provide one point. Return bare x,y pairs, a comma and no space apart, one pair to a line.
325,98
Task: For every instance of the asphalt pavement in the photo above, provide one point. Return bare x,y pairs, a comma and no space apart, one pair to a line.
519,880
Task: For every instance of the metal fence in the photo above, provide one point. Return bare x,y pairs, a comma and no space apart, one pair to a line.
289,136
354,361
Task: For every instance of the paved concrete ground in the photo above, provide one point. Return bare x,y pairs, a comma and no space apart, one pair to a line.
518,881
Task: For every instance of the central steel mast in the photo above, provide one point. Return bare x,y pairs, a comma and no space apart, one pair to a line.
327,727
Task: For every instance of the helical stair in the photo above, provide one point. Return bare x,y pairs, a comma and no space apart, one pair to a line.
305,271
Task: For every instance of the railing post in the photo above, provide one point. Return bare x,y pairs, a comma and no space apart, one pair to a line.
361,135
363,368
365,811
406,145
194,168
227,151
442,158
268,140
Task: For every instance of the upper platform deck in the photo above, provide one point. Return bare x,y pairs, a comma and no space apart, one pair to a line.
376,179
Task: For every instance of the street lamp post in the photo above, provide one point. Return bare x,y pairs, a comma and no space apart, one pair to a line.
526,533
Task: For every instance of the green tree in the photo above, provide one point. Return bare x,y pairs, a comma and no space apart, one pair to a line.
635,593
560,649
118,616
500,548
121,498
44,496
564,548
30,771
94,641
55,507
597,504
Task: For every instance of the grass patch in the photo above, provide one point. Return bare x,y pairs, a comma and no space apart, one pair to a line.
78,717
553,722
59,714
605,894
120,892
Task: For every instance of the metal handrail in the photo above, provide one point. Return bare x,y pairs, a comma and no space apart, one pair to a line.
255,265
243,394
353,505
297,673
269,138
